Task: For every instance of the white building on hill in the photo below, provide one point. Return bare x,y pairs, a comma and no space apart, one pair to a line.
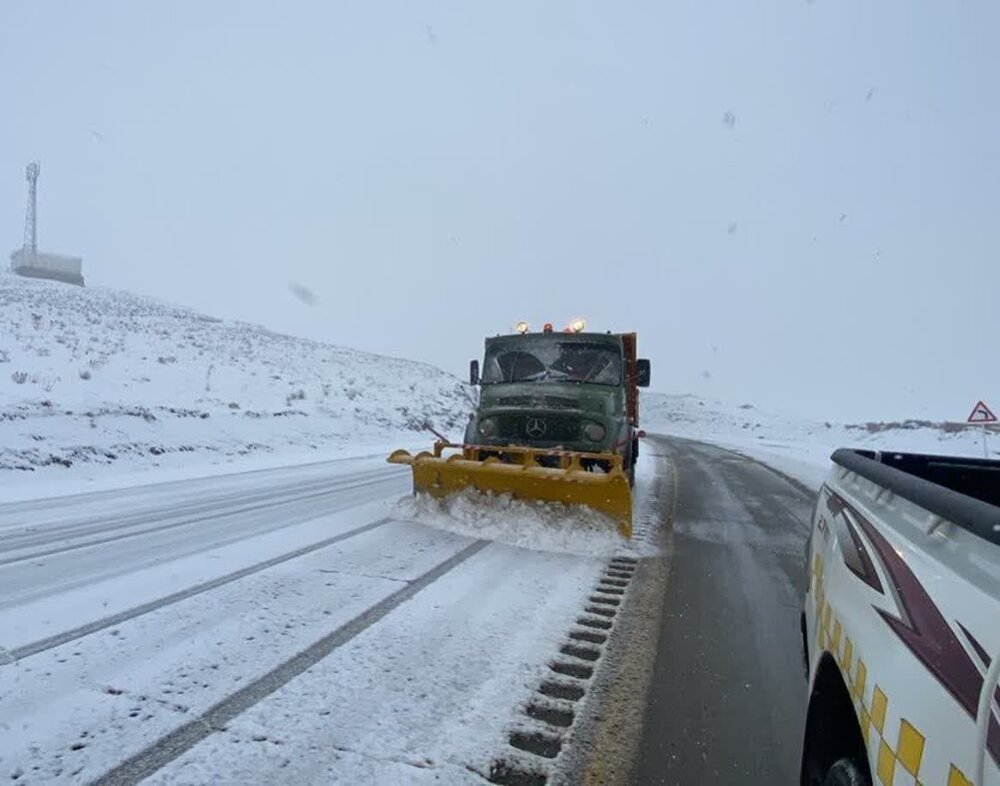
42,265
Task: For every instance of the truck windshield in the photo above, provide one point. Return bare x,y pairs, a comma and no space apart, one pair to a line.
564,361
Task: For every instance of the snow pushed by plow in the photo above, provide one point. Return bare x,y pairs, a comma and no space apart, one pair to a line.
542,526
538,526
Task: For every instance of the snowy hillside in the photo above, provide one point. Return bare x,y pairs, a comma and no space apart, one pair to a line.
95,376
800,446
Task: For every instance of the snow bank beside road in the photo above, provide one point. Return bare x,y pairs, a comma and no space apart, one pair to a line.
800,447
93,378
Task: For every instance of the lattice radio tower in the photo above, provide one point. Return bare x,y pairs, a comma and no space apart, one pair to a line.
30,215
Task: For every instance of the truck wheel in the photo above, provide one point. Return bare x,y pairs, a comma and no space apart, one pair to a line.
630,464
845,772
833,751
805,644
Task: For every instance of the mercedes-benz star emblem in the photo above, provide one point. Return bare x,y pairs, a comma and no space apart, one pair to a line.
536,428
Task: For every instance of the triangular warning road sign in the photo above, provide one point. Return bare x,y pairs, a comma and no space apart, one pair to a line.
982,414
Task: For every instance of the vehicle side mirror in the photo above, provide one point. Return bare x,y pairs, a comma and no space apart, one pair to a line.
474,372
642,372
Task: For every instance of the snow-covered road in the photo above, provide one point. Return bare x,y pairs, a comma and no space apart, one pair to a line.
282,625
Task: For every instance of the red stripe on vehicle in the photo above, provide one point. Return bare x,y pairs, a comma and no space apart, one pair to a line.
926,633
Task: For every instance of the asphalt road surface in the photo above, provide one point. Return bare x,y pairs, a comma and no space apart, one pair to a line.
727,693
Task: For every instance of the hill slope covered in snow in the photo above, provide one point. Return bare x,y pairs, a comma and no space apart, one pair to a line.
95,376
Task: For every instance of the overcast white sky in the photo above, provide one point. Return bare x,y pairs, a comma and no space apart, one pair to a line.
792,202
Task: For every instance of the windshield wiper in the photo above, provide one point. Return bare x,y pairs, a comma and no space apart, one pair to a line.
543,375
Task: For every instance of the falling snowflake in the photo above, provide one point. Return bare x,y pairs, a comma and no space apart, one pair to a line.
304,294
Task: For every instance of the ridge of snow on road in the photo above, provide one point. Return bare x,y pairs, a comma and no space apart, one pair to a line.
92,377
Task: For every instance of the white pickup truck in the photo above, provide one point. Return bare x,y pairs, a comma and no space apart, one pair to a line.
901,623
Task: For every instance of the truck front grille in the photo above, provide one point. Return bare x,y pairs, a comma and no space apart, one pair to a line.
524,428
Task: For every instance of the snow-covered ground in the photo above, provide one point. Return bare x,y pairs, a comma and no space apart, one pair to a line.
112,384
802,447
285,625
301,619
103,389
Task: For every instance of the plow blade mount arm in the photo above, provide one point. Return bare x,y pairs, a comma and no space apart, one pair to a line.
521,476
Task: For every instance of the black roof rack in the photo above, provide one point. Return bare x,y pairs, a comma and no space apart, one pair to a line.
965,491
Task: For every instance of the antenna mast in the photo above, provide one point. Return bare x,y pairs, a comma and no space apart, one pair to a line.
30,216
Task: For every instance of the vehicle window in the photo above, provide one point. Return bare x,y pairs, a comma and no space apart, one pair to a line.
562,361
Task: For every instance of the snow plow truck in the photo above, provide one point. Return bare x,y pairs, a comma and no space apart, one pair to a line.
557,421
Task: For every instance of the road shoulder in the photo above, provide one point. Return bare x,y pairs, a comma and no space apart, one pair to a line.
608,735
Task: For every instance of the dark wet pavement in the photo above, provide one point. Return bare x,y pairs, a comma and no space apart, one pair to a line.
726,704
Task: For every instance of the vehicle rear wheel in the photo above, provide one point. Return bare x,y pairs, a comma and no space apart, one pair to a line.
845,772
833,751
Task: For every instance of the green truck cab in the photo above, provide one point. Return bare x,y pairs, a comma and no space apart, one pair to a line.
569,391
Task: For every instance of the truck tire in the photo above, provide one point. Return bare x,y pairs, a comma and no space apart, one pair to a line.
805,644
833,751
630,459
845,772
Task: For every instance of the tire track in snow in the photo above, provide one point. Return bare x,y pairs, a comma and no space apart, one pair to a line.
181,740
25,537
217,514
48,504
98,525
35,647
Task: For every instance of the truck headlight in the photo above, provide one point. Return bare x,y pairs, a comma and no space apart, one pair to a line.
594,432
487,427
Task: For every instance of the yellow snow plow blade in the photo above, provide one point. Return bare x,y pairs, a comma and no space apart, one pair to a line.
523,477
